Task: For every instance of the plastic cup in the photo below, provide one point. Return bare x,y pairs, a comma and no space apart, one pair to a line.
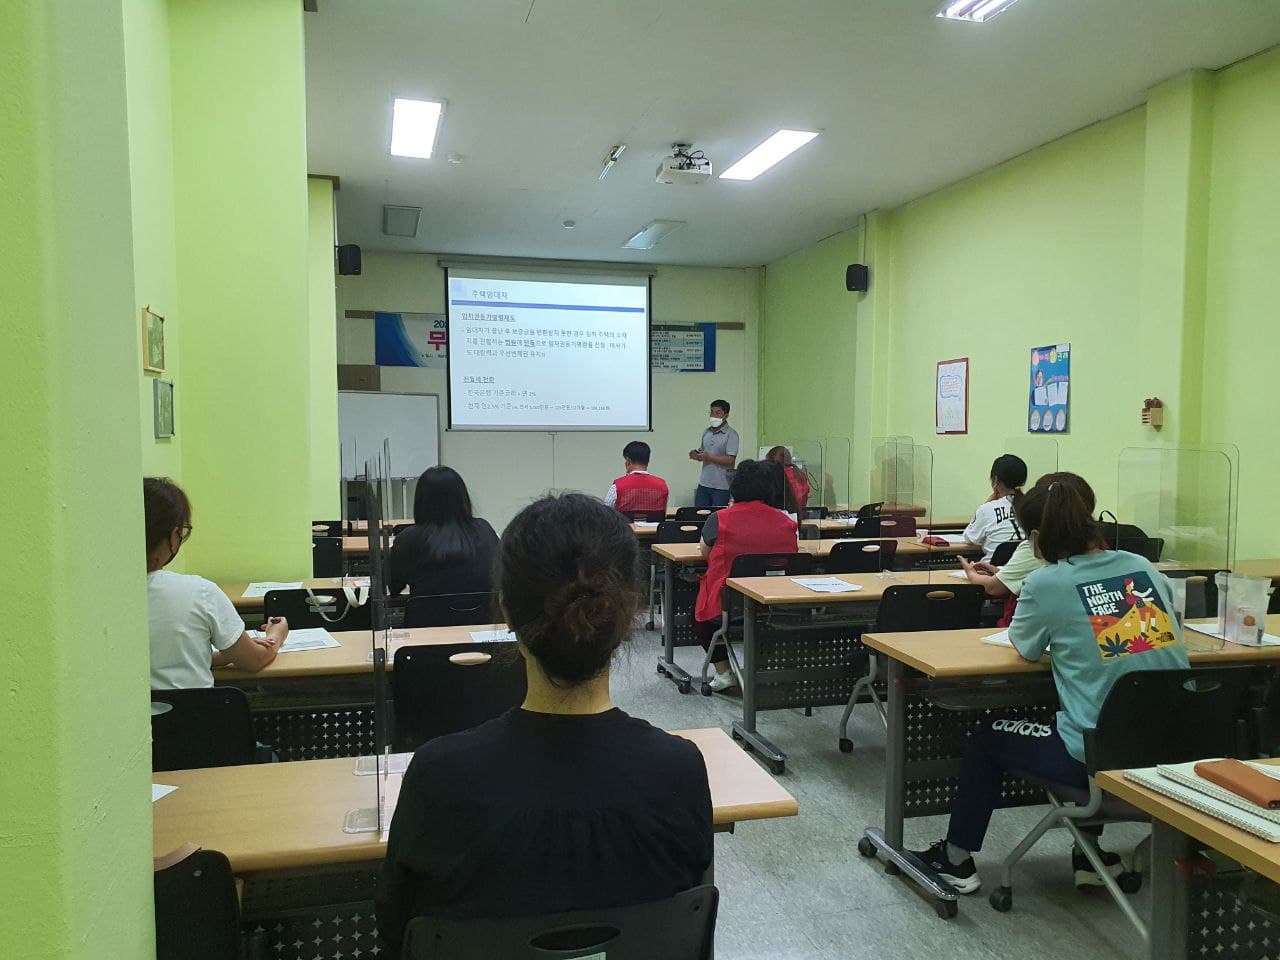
1247,609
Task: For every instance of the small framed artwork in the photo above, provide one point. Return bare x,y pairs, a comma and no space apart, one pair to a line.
162,401
152,341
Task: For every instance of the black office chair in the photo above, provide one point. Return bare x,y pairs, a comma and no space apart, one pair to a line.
896,525
679,531
326,528
1202,591
197,910
864,556
868,510
1127,536
1003,552
813,513
645,516
680,928
750,565
1200,712
208,727
866,527
450,610
694,513
325,607
443,688
910,608
326,556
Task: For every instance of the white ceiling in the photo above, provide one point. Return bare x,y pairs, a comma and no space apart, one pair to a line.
538,92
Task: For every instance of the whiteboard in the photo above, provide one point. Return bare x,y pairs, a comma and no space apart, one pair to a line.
410,421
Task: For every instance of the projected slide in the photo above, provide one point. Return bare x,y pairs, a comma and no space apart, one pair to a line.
547,352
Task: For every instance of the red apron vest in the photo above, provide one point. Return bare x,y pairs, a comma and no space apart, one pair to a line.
640,491
752,527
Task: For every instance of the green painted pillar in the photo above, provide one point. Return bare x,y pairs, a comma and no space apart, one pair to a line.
325,466
75,814
240,184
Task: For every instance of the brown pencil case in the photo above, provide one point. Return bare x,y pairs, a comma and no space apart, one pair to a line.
1242,780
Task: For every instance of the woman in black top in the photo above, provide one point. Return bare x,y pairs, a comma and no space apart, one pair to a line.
566,802
447,550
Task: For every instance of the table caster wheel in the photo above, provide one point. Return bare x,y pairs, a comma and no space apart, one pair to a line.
1129,882
776,766
706,689
846,745
684,686
1001,899
946,909
891,868
866,847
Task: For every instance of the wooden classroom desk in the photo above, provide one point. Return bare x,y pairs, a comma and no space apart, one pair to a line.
1173,827
689,554
353,656
941,524
1258,568
784,591
235,589
282,816
955,665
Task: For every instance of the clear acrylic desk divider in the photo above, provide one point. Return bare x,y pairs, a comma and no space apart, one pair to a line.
838,461
1038,451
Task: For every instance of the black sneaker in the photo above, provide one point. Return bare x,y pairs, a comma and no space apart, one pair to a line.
1086,876
963,876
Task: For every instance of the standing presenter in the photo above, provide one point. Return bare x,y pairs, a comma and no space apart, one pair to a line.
717,454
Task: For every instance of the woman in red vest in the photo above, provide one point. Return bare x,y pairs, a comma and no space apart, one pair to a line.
638,491
753,523
797,479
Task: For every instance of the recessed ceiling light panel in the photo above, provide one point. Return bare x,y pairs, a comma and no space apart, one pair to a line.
400,221
648,236
974,11
414,125
778,147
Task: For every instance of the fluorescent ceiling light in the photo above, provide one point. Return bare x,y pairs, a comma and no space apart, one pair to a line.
974,11
781,145
414,124
648,236
400,221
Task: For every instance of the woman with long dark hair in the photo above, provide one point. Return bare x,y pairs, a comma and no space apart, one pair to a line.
447,549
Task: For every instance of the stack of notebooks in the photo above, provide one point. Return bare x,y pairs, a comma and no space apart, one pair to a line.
1243,794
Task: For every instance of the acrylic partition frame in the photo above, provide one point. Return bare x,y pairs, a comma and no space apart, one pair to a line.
810,456
836,481
1184,500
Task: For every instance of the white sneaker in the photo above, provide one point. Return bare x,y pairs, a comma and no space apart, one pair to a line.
723,681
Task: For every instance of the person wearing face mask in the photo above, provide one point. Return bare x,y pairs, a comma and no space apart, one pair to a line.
193,625
717,453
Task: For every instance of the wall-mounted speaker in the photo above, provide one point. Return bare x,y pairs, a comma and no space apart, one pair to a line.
857,278
349,260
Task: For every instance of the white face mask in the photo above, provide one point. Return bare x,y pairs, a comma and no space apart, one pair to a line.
717,423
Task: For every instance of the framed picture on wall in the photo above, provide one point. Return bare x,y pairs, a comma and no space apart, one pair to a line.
152,341
162,403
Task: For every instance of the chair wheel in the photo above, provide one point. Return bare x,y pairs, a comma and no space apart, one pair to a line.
776,766
866,847
1129,882
737,736
705,689
660,670
946,909
846,745
1001,899
684,686
649,625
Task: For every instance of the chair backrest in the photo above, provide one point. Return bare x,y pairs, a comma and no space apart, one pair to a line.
326,556
645,516
1202,591
326,528
679,531
897,525
197,910
813,513
450,609
771,565
868,510
677,929
1170,716
861,556
325,607
1127,536
443,688
866,527
924,606
207,727
694,513
1003,552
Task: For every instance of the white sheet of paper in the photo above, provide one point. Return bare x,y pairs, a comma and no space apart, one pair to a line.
259,589
646,525
1000,639
396,763
826,584
958,574
159,790
1211,629
491,636
309,638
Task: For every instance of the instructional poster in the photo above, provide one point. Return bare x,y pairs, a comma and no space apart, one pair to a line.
683,349
951,399
1050,389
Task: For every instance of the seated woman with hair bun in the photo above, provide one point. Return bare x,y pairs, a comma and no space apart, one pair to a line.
565,802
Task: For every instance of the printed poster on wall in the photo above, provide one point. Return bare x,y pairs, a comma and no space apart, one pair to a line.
1050,389
410,340
951,398
687,348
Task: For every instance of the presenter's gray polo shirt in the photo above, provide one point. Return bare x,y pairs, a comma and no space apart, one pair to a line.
719,443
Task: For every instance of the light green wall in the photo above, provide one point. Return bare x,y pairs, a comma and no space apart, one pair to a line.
146,35
322,305
75,826
1243,294
241,232
808,338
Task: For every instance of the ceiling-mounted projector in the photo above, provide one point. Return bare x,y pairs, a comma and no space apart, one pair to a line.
684,166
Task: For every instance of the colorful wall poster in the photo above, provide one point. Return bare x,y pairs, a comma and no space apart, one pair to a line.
1050,388
951,397
410,339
